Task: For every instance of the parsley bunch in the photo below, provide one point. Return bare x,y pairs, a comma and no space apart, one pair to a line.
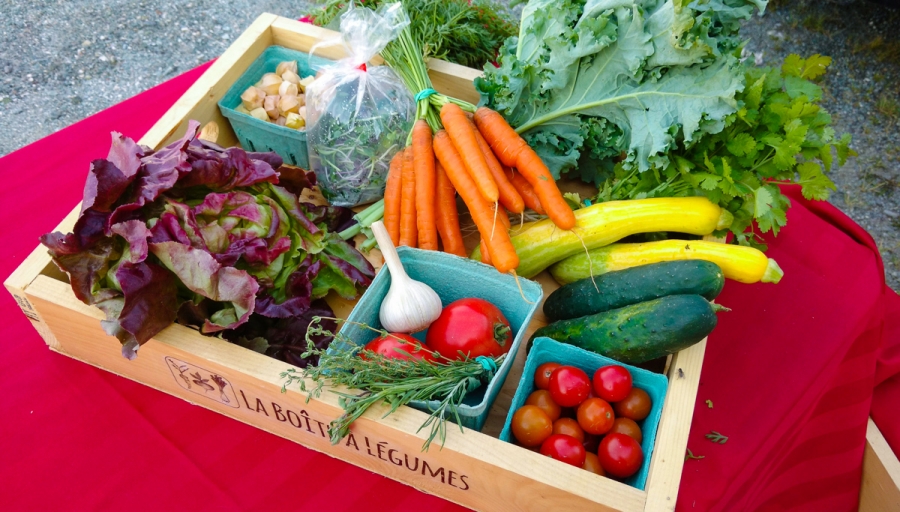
461,31
778,135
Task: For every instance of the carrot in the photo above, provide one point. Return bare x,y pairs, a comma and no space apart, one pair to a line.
408,231
446,216
503,254
392,198
508,195
532,167
513,151
423,160
485,253
529,196
503,217
505,142
462,133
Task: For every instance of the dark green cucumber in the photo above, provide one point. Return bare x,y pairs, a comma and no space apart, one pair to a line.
633,285
639,332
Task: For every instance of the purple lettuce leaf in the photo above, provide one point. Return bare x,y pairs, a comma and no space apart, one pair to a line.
226,169
294,297
158,173
203,275
149,305
177,224
87,270
287,336
109,179
135,234
294,179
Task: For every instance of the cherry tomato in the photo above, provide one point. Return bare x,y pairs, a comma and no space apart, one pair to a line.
621,456
542,375
531,425
542,399
635,406
628,427
569,427
569,386
595,416
399,346
564,448
612,383
472,326
592,464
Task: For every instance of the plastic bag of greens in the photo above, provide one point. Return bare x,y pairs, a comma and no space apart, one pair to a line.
358,115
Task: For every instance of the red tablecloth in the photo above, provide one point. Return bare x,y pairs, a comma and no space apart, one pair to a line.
789,372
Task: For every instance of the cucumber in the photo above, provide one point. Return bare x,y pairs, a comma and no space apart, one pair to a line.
633,285
639,332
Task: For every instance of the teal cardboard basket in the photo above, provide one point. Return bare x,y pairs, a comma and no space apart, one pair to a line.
256,135
453,278
546,350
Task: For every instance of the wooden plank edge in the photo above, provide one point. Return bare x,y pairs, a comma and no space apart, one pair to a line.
600,493
32,266
446,77
667,461
880,487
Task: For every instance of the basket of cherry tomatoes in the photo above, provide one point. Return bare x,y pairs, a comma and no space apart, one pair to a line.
587,410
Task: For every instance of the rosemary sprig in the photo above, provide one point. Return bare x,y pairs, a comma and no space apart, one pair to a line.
716,437
394,381
690,455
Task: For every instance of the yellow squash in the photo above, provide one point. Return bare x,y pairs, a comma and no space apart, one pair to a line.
541,244
739,263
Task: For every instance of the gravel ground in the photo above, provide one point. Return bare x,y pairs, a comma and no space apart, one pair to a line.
61,61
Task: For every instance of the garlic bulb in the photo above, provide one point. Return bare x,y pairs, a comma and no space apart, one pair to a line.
410,305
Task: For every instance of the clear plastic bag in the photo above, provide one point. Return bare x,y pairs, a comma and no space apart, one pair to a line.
359,116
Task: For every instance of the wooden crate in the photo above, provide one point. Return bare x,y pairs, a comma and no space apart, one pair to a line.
474,469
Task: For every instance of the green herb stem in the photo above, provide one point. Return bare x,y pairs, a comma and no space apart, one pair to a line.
396,382
364,219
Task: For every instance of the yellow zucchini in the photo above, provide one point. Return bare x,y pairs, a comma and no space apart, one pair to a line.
543,244
739,263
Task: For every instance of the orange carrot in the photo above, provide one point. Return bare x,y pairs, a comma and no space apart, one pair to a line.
529,196
485,253
392,198
505,142
408,231
513,151
462,133
503,254
532,167
503,217
509,196
423,160
446,216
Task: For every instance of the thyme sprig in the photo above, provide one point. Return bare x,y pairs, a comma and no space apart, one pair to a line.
396,382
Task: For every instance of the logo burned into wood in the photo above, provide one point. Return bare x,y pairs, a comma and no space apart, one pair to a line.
202,382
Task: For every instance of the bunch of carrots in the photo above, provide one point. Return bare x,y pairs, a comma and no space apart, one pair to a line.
493,169
454,147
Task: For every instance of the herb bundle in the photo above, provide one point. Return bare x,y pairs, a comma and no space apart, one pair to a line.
461,31
778,135
394,381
